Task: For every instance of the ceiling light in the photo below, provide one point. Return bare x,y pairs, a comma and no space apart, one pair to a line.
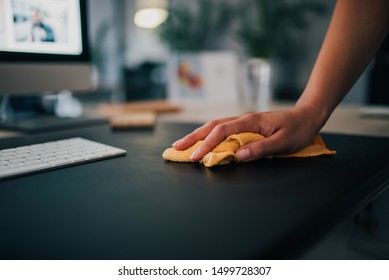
150,18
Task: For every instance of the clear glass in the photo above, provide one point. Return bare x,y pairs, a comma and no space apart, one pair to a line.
259,84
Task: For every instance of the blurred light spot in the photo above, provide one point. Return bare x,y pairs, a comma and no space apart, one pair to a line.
150,18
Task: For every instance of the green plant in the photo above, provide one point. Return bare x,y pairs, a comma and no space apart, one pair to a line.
267,26
193,29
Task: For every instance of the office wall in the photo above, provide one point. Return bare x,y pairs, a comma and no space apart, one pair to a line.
106,37
305,52
140,44
129,46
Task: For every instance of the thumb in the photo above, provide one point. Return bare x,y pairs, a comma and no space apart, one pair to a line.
259,149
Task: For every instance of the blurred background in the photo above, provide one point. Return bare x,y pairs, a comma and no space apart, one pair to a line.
134,40
223,52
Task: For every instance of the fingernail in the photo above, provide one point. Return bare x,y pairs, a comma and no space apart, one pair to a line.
194,155
176,143
243,155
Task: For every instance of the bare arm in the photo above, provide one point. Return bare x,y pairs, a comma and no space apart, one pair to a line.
355,33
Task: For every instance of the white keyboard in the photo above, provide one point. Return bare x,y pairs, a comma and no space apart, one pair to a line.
51,155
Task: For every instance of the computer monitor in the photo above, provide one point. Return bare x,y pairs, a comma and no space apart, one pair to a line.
43,46
43,49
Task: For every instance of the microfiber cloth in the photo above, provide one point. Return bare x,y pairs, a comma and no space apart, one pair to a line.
224,153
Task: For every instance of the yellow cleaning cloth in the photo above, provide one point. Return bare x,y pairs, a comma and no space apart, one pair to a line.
224,153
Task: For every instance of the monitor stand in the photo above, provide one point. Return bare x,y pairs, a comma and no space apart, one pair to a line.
32,114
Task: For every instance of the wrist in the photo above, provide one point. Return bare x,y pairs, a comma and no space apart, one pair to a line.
317,116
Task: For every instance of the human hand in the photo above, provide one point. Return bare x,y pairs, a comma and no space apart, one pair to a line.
285,131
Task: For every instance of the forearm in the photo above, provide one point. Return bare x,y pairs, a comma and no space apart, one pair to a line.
356,31
354,36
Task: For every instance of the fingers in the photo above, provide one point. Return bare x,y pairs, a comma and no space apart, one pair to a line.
199,134
260,149
285,131
218,134
281,142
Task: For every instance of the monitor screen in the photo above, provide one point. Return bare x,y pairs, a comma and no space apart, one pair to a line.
43,26
43,46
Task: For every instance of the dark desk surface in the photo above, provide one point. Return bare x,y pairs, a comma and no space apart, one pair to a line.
141,207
